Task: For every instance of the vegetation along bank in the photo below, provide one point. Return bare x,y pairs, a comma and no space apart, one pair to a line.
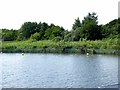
84,36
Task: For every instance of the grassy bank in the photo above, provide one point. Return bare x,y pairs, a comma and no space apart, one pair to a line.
105,46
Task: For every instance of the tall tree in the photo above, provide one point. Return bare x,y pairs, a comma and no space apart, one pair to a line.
76,24
111,29
27,29
9,35
43,27
89,28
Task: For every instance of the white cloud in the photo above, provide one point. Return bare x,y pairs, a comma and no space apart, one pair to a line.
13,13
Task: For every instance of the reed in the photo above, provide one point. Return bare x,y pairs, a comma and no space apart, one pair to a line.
49,46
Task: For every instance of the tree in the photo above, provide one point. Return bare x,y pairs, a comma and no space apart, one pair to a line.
43,27
75,34
89,28
36,36
54,31
47,33
68,36
111,29
76,24
9,35
0,34
27,29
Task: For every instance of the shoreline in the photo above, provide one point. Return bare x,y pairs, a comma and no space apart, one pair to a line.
62,51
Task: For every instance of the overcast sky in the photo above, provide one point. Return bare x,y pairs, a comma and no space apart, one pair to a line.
13,13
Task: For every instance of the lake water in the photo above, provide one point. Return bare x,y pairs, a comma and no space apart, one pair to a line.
58,71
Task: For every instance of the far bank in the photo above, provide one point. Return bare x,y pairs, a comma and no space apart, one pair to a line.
110,46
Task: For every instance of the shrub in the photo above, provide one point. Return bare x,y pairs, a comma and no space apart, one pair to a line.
36,36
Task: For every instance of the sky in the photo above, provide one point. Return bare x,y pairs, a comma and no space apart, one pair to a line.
13,13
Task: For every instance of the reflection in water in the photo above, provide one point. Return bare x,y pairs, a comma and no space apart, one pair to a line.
58,71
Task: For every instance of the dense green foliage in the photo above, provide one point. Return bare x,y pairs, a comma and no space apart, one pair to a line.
9,35
86,34
27,29
0,35
61,46
30,44
88,29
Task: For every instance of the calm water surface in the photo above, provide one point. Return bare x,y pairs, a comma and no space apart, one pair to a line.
58,71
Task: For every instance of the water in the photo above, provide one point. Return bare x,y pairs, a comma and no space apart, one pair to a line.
58,71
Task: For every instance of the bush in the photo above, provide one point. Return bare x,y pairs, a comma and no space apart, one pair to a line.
75,46
56,39
36,36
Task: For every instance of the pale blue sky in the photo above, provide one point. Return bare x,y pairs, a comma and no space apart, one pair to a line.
13,13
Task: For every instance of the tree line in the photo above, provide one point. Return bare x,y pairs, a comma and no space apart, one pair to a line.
87,29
